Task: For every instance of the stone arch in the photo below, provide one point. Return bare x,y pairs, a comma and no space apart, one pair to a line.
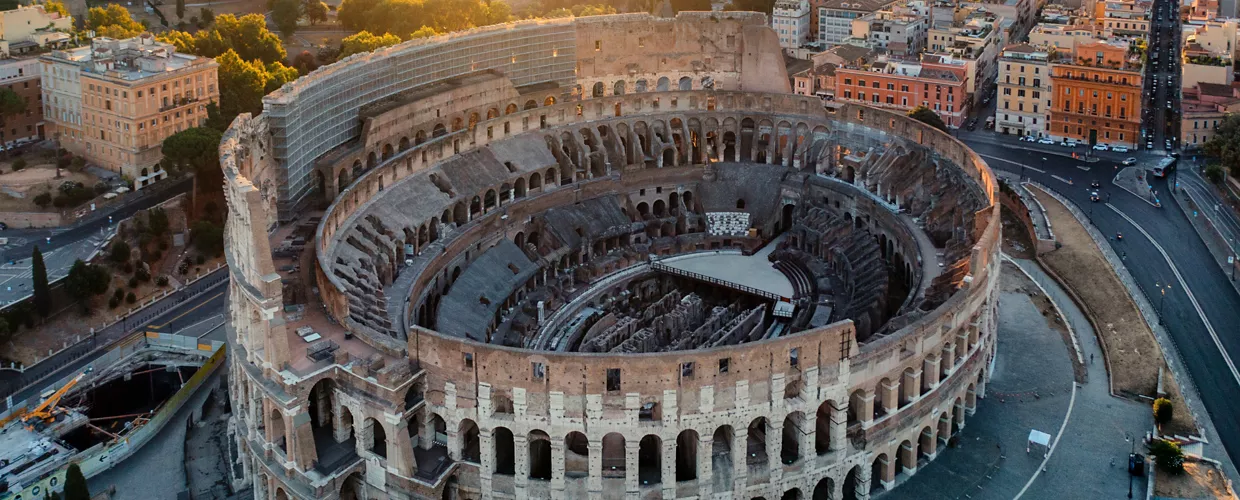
342,180
576,455
439,130
388,151
403,144
925,442
618,88
460,215
470,443
549,101
353,487
598,90
907,458
492,113
518,188
530,104
536,181
851,481
792,494
278,433
539,455
660,208
824,489
375,437
458,124
790,448
473,120
640,86
490,200
686,455
510,109
822,428
878,473
505,458
371,160
664,84
755,443
686,83
650,460
721,458
614,459
280,494
552,177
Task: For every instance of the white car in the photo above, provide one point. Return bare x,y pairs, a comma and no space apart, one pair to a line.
1129,162
1045,140
1071,143
1120,149
1024,138
1101,147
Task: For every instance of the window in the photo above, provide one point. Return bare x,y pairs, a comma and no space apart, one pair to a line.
613,379
539,370
1007,91
723,364
469,360
793,356
686,369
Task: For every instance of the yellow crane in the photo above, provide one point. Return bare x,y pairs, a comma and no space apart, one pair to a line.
46,412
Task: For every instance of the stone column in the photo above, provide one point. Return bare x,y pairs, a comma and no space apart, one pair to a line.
958,415
863,483
400,448
301,447
962,346
775,448
705,465
594,482
740,458
669,468
521,456
887,471
808,439
891,396
557,465
931,371
839,426
908,455
486,455
631,466
947,361
865,408
912,386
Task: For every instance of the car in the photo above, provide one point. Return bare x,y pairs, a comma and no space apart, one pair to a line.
1046,140
1101,147
1175,154
1128,162
1066,145
1095,184
1093,196
1149,145
3,226
1072,143
1119,149
972,125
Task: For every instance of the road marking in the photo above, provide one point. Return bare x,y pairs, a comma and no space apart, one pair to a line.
192,309
1191,298
1051,451
1061,179
1035,169
1082,167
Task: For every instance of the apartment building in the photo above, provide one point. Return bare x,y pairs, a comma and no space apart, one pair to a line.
973,36
834,17
1024,95
29,28
900,32
818,80
21,75
1208,54
1124,17
1096,93
1202,109
937,82
790,19
115,101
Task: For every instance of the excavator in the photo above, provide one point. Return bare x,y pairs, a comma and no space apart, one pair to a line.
47,411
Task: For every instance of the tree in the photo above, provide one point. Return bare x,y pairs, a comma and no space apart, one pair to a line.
85,280
1225,145
1168,456
683,5
928,116
1214,173
54,7
120,252
180,9
215,119
316,11
247,35
43,199
207,16
11,103
285,13
196,148
243,84
157,221
365,42
305,62
1163,411
208,238
423,32
42,291
113,21
75,484
19,164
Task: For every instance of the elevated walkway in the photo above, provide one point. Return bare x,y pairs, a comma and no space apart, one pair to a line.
752,274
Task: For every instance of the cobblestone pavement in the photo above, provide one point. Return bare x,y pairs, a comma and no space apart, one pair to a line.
1032,388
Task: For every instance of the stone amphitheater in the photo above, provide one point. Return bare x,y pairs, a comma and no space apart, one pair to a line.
607,257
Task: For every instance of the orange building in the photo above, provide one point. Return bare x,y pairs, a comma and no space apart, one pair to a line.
1096,96
936,82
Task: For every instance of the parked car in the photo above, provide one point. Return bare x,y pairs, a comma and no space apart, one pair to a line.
1129,162
1093,196
3,226
1101,147
1046,140
1120,149
1026,138
1149,145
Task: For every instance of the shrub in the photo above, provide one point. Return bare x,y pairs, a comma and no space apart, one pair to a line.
78,163
1168,456
163,245
101,187
131,298
1164,410
1214,173
120,252
200,260
161,281
127,267
141,274
133,282
19,164
43,199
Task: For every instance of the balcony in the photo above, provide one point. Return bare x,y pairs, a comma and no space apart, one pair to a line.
178,102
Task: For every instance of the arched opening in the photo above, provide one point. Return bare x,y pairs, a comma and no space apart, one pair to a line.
549,101
792,494
613,455
388,151
599,88
687,198
643,209
371,160
824,489
403,144
376,437
640,86
330,431
878,473
925,444
419,137
850,483
576,455
492,113
439,130
530,104
353,487
459,214
490,200
785,220
686,83
790,448
755,445
540,455
721,458
650,460
822,428
906,458
510,109
673,204
664,84
505,458
686,455
342,181
471,446
618,88
277,433
535,181
518,188
413,396
280,494
660,208
740,204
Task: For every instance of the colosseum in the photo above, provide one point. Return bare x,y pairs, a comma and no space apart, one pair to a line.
606,257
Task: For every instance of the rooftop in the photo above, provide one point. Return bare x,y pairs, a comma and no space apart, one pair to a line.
130,59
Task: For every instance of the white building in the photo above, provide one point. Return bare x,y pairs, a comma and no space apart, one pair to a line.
790,19
835,17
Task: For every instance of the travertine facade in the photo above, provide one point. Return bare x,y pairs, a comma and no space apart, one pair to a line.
395,402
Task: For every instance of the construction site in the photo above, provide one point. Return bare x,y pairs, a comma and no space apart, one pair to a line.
103,414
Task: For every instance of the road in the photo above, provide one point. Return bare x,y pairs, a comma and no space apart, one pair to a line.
62,246
1214,304
1162,80
195,309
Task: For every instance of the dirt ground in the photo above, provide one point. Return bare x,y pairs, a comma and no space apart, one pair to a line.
1200,480
1133,354
1013,280
31,181
1016,240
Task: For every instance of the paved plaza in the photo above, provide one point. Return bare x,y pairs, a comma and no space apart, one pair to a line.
1032,388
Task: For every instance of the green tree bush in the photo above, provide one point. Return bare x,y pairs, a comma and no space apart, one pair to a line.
928,116
42,290
1168,456
1164,411
75,484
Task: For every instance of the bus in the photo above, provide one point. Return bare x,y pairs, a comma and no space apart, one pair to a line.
1164,166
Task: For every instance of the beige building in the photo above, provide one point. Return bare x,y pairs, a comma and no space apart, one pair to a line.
1203,108
972,36
1208,54
28,28
1024,91
115,101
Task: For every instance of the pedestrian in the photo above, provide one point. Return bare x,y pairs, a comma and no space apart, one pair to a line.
1091,359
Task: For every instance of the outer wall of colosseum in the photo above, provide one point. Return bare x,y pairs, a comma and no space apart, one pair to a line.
411,413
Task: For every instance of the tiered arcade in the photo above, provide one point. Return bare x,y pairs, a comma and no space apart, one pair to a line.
505,309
